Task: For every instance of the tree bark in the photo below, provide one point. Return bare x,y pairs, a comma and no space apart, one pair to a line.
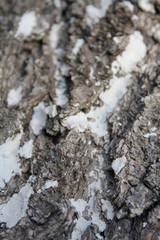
79,122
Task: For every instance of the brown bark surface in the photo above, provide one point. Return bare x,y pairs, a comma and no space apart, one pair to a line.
78,160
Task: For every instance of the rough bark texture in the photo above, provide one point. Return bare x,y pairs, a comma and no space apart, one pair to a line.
78,160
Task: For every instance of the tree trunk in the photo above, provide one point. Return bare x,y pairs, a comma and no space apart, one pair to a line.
79,122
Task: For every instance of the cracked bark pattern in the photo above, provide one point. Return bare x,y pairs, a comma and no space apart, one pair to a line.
69,156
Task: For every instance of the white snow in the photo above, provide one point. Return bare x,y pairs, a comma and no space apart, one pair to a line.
26,150
26,25
94,14
91,74
99,236
129,5
65,70
61,88
80,205
153,129
118,164
147,99
14,97
117,39
146,6
58,3
95,119
60,85
81,226
77,46
117,89
147,135
39,117
97,221
97,83
156,32
93,213
144,224
54,35
78,121
81,222
134,53
135,17
49,184
51,111
107,207
15,209
93,188
9,161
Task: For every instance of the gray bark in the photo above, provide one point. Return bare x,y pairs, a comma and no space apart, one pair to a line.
69,156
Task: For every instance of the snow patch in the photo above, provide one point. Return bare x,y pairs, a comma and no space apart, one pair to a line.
117,40
146,6
79,205
49,184
134,53
153,129
78,122
94,14
107,207
26,25
99,236
156,32
144,224
135,18
60,85
98,83
31,24
9,161
54,35
118,164
14,97
117,89
51,111
81,222
129,5
91,74
93,188
58,3
61,89
93,214
147,135
95,119
15,209
26,150
65,70
39,117
77,46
